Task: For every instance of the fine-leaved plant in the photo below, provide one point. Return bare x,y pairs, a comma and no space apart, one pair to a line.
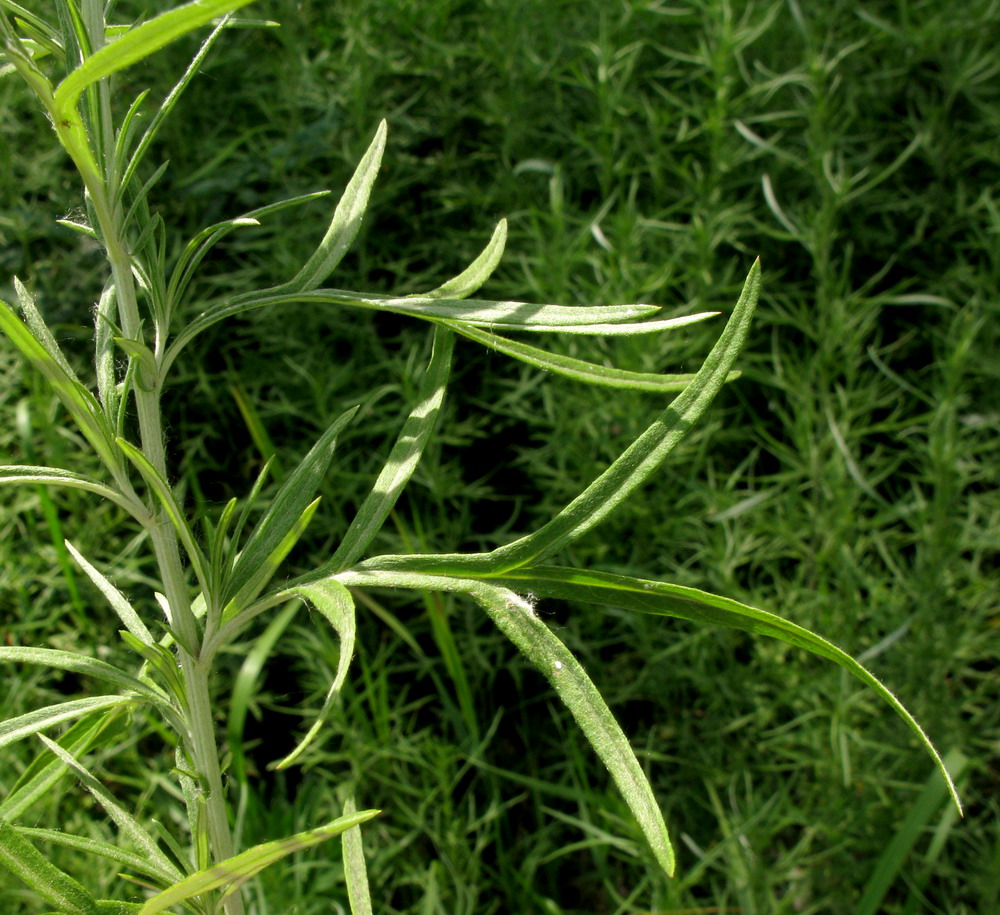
218,577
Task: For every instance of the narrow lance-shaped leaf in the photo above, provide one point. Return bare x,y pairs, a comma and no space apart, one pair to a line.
81,404
168,105
346,220
125,821
55,476
137,43
510,316
40,330
515,617
264,572
289,503
80,664
161,489
44,772
131,860
336,605
105,330
664,599
119,603
403,459
234,872
479,271
33,722
28,864
578,369
628,472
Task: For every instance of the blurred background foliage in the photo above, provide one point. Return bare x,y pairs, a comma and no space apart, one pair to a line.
642,151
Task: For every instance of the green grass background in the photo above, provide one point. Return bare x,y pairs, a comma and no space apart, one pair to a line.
642,151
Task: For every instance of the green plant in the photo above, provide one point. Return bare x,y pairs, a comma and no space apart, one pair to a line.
210,602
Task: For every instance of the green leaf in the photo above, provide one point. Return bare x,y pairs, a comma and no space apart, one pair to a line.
44,772
346,221
628,472
515,618
403,459
163,492
160,864
664,599
82,405
55,476
40,329
38,720
286,511
355,872
166,106
479,271
234,872
105,331
137,43
81,664
510,316
160,658
126,612
26,863
131,860
336,605
577,369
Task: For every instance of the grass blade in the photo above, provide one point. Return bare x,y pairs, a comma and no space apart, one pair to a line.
235,871
245,686
26,863
355,872
664,599
336,605
346,220
923,809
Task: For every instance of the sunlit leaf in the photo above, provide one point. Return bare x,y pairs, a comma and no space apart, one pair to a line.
516,618
346,222
403,459
665,599
137,43
479,271
234,872
33,722
625,475
336,605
